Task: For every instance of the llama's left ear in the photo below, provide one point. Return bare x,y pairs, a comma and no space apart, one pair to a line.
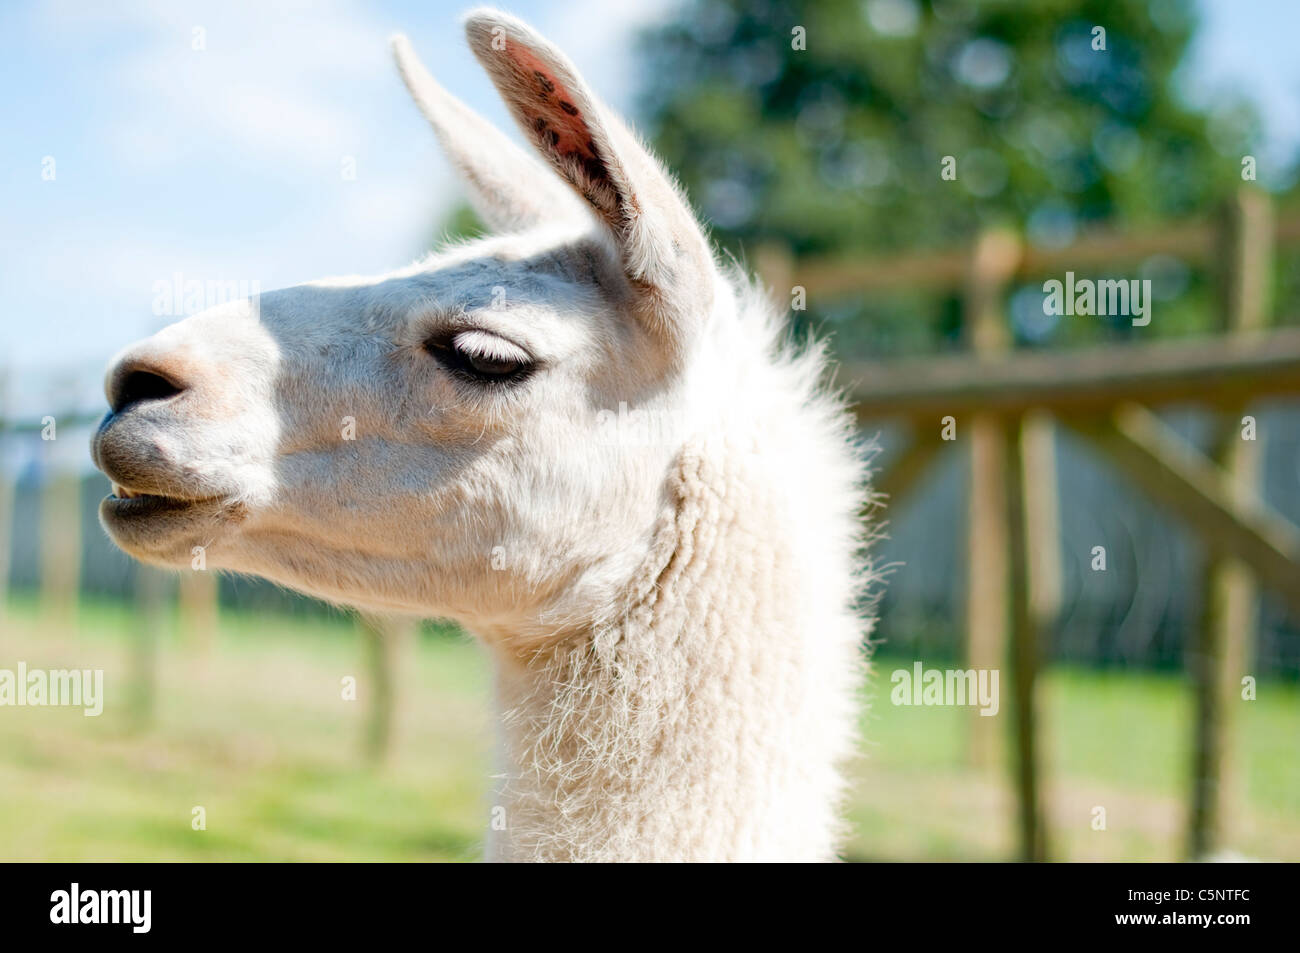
509,189
665,255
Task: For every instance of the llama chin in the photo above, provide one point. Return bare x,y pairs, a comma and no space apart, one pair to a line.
581,438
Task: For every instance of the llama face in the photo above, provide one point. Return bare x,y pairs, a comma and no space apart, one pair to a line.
483,435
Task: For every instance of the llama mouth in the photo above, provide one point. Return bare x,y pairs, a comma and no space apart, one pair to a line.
124,503
163,530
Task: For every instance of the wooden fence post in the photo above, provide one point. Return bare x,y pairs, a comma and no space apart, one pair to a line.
1042,519
993,260
1026,637
198,608
1218,660
6,532
60,545
151,587
1036,586
386,640
7,479
775,267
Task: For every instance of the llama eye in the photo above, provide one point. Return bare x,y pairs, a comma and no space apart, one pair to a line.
480,356
492,367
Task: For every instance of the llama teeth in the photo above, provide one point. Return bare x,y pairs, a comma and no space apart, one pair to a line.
122,493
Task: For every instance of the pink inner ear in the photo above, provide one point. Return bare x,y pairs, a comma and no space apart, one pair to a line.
552,115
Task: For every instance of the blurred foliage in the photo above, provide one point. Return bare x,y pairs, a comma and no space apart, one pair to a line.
840,145
461,224
838,148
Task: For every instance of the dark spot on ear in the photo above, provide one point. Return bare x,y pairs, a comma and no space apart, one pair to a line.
595,167
561,129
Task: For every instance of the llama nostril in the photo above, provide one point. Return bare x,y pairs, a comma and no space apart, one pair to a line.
137,385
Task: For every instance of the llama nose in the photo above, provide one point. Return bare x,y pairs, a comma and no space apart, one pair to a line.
135,381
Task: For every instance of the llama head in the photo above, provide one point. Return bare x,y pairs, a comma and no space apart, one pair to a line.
453,438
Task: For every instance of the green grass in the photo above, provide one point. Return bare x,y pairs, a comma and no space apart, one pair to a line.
256,732
1116,740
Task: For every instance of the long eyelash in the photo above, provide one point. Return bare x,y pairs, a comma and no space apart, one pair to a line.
455,360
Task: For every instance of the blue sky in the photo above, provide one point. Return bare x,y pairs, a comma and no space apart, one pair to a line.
225,163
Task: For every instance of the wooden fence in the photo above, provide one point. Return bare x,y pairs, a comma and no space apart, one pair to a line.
1005,404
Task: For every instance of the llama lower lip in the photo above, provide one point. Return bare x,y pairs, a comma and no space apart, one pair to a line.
163,530
145,504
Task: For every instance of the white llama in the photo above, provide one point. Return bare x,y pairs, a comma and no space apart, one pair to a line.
580,438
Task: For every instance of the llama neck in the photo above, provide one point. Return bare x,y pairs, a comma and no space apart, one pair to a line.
708,719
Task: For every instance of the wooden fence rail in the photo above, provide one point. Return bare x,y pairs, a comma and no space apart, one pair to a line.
1218,370
1195,241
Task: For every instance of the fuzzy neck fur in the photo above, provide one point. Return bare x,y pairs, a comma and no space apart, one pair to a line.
709,718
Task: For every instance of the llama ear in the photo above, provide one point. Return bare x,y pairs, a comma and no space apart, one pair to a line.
509,189
664,253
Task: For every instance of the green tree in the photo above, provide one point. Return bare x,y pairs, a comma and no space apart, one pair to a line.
824,124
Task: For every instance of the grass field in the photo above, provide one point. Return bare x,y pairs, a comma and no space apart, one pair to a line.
255,732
